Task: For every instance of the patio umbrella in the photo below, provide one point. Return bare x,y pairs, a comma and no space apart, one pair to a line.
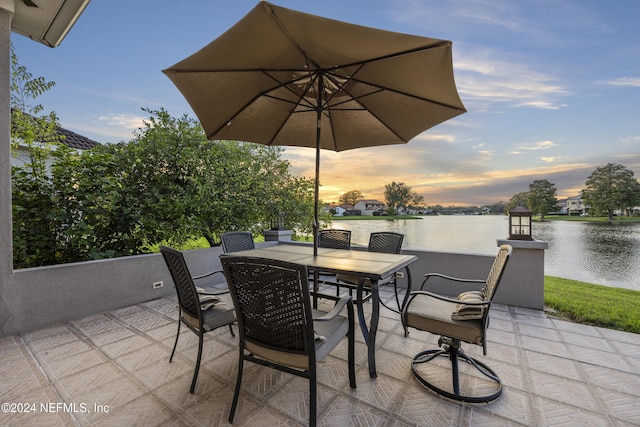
287,78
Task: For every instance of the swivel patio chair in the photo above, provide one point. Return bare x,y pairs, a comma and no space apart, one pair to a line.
200,311
235,241
383,242
465,318
278,328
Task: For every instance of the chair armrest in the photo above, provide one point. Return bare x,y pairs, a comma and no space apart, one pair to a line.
445,298
218,292
341,302
454,279
202,276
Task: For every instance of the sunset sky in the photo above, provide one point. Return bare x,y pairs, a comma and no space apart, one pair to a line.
552,88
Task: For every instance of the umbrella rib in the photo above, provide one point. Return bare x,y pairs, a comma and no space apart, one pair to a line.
263,94
273,14
440,44
421,98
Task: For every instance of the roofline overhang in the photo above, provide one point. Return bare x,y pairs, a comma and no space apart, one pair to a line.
44,21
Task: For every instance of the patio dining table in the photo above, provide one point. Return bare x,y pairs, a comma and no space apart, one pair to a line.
366,265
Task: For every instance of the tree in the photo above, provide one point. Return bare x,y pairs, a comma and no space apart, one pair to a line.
34,212
542,197
399,195
37,133
192,187
168,185
519,199
610,188
351,197
496,208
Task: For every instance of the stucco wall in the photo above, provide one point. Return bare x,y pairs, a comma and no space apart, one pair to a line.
41,297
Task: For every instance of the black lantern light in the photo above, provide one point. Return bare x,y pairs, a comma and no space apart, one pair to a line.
277,221
520,223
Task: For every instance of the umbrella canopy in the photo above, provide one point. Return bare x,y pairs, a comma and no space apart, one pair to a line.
287,78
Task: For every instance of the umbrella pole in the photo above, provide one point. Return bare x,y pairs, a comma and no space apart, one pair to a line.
316,225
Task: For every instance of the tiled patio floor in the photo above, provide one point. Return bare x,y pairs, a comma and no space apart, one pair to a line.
113,369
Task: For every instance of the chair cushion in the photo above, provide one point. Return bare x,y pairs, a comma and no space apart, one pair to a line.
333,331
207,300
433,315
469,312
220,314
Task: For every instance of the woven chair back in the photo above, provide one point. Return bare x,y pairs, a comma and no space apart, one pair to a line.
235,241
496,272
187,294
334,239
386,242
272,302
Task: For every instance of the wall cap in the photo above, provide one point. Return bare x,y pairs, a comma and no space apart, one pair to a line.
524,244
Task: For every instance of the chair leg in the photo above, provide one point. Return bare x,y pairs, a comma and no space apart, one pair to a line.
236,394
352,350
451,349
175,344
195,373
313,397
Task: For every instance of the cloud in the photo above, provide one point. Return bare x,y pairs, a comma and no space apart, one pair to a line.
549,159
425,136
486,78
124,120
630,140
543,105
538,145
624,81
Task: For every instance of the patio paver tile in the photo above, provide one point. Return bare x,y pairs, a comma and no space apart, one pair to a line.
554,373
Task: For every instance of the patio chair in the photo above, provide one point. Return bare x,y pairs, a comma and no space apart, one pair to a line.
333,239
278,328
465,318
235,241
200,311
383,242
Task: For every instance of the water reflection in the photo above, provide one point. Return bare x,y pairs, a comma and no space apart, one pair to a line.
603,253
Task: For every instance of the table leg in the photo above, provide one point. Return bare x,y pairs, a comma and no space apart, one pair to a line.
406,297
369,334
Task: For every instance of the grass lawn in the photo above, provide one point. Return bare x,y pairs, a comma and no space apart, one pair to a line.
605,306
370,217
616,219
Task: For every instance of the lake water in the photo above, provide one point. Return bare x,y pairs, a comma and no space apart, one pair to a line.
601,253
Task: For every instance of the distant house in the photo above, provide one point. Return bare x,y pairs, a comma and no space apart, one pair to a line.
368,207
338,210
70,139
573,206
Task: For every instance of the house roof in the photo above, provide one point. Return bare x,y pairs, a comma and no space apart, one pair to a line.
71,139
75,140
